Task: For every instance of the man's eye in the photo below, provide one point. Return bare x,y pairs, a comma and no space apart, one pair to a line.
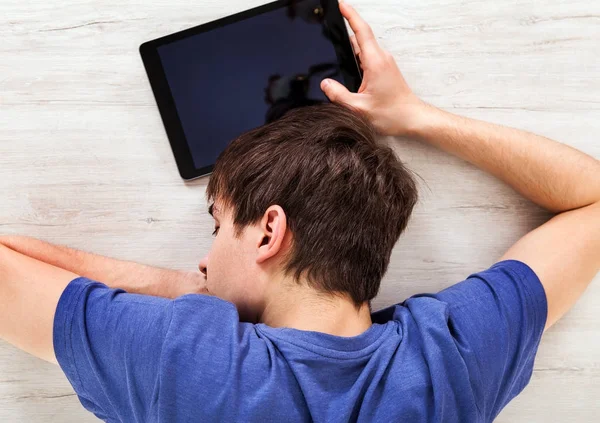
216,231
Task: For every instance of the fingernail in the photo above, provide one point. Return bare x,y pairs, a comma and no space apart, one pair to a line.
325,83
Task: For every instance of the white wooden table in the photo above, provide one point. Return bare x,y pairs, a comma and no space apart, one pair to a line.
84,159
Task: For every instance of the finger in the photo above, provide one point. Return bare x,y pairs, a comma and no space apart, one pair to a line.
336,92
355,45
362,30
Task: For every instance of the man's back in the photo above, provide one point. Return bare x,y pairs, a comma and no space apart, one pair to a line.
459,355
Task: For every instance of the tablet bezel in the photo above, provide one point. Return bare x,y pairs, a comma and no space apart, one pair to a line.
166,104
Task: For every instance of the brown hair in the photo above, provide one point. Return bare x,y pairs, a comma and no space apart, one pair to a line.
346,198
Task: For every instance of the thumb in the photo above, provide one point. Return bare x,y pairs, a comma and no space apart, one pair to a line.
335,91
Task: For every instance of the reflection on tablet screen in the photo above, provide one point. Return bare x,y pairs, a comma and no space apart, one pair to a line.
240,76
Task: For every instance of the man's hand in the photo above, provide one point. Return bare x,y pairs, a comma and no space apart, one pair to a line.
384,95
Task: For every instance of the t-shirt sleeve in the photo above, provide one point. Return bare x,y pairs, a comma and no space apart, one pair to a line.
109,343
497,317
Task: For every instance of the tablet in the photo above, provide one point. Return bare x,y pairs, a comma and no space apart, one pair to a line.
215,81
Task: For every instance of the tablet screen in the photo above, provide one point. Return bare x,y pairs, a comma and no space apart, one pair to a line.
242,75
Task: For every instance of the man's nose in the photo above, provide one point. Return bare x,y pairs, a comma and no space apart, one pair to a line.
203,266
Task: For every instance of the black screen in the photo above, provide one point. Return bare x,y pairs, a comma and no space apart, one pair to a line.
243,75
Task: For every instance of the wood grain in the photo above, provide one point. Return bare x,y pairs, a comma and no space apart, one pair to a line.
84,159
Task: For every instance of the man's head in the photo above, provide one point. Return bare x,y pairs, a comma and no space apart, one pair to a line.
309,200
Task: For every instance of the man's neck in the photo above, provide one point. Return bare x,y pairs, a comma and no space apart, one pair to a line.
305,309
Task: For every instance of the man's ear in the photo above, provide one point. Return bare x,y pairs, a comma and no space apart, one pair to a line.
273,227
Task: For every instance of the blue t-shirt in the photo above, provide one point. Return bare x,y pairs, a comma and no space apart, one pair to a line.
456,356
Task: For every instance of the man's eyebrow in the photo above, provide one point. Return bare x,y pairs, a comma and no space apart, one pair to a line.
212,210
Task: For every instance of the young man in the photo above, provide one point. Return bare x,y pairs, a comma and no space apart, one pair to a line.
307,211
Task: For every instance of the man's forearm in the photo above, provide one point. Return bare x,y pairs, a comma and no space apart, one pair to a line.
551,174
130,276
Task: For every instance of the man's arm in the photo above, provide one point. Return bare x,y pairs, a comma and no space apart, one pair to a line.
130,276
29,294
565,252
552,175
34,274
